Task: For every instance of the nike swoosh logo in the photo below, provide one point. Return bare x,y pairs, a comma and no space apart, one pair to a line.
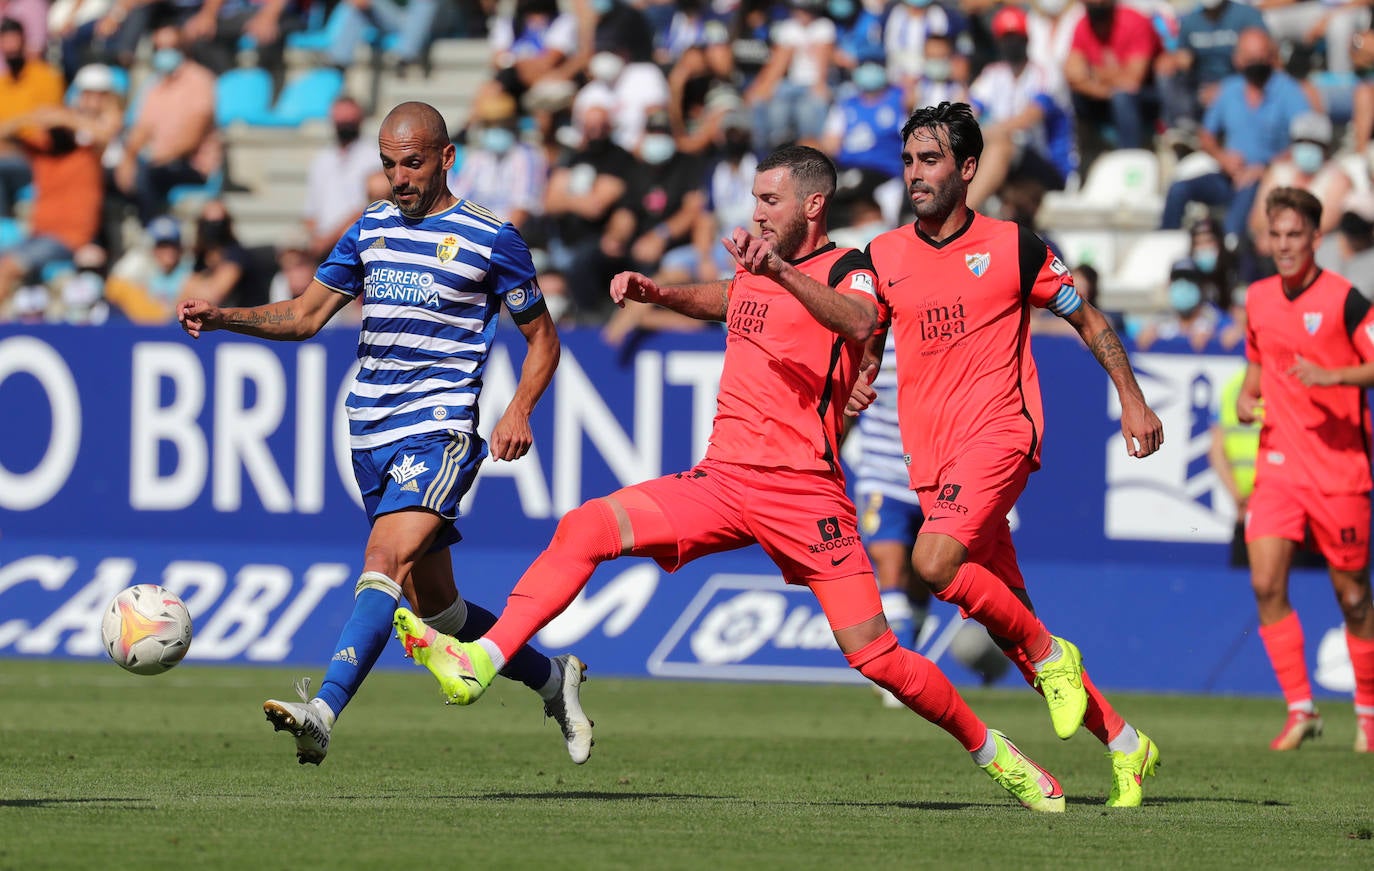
835,562
936,517
893,281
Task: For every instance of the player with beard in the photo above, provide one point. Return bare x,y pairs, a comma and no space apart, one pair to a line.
799,312
957,287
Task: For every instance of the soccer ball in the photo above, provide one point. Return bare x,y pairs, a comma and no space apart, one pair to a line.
146,629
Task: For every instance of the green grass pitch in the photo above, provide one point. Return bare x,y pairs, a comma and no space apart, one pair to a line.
102,769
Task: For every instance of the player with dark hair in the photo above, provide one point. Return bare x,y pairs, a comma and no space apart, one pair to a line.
1309,347
433,271
798,311
958,287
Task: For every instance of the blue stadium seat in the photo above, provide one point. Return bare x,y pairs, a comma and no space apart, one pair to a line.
243,95
319,37
306,98
184,194
12,232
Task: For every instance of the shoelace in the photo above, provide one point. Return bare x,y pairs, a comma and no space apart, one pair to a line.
303,689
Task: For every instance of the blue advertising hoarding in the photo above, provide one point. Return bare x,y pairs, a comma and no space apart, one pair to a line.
220,469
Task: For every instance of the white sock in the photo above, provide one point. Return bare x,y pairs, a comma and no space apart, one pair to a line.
1364,711
1304,706
1127,742
450,620
554,685
326,713
985,754
498,659
1055,652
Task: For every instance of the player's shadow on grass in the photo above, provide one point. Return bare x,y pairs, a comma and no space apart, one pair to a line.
593,795
59,802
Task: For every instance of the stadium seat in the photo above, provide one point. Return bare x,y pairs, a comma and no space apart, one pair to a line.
1198,163
1357,168
12,232
1095,248
243,95
320,36
187,199
1138,282
1122,188
305,98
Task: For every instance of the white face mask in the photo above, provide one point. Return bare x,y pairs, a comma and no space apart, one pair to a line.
1052,7
657,148
605,66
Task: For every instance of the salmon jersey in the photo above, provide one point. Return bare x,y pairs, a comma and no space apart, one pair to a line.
1316,437
787,377
960,315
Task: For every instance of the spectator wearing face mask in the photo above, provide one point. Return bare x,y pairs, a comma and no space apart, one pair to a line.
1244,129
1207,38
859,136
1350,250
174,140
1207,250
791,96
1026,115
635,88
943,76
662,204
223,270
26,83
1190,316
337,182
1110,72
1307,165
858,32
499,172
1050,25
910,26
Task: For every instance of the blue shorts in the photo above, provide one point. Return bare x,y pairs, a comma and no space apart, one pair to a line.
431,472
882,519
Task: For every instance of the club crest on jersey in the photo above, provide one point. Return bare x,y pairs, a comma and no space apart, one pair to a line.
1312,321
407,471
448,248
978,263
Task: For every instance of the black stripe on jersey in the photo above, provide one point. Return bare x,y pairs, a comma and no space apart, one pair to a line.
851,261
1356,307
1031,252
529,314
951,238
836,349
829,246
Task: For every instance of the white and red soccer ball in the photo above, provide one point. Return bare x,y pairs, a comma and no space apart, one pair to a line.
146,629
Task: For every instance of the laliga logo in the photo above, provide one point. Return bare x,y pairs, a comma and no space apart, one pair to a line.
738,628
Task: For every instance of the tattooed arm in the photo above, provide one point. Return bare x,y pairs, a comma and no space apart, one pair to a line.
289,320
1140,427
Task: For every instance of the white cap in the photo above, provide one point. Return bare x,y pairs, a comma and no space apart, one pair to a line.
95,77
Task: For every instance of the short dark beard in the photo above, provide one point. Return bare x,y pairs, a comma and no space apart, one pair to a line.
940,204
790,238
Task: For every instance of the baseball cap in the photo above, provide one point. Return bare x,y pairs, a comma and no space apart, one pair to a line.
1009,20
163,230
1310,127
95,77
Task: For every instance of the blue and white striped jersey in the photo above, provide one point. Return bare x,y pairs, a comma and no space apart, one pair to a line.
432,289
882,464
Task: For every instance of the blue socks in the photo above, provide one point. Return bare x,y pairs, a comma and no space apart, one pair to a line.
362,640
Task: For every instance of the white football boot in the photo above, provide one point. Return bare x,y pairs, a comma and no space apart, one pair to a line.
566,708
303,721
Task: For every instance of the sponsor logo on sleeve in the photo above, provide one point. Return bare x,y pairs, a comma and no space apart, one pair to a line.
862,281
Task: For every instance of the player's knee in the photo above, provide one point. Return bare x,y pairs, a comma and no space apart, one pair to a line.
590,529
934,569
1354,602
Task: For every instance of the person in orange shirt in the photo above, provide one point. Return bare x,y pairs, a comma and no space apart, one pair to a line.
26,83
173,141
68,194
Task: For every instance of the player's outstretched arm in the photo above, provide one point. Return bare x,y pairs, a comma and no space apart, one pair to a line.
289,320
1140,426
705,302
851,316
511,437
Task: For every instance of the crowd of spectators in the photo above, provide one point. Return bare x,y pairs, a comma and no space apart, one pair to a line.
623,134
